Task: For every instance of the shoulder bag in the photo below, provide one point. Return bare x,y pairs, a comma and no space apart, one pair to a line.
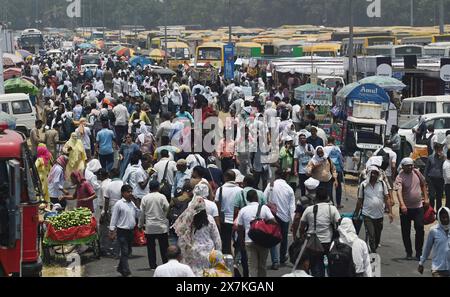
314,245
166,188
265,234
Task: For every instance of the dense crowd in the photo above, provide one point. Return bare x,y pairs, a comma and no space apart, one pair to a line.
187,164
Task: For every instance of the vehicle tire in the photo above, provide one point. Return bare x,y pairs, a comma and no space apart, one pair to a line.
2,272
23,130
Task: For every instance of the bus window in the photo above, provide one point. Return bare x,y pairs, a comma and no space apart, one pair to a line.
210,54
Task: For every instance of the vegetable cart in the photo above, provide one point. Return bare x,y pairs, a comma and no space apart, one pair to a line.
64,232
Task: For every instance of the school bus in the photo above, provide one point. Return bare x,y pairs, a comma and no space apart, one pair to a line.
248,50
360,44
179,54
212,53
322,50
290,48
426,39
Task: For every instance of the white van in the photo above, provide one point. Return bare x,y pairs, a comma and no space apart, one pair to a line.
412,108
20,108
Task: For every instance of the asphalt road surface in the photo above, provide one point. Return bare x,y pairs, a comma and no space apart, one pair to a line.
392,253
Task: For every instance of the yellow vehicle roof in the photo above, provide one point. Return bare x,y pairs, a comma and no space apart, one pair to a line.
178,44
212,44
248,44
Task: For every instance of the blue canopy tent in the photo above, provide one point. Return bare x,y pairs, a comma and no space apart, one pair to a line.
365,93
141,60
86,46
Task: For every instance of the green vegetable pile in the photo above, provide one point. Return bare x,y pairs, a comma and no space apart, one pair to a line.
69,219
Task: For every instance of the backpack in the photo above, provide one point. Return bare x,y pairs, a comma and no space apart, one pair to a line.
340,260
385,164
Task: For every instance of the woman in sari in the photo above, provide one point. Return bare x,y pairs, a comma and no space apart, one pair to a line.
84,192
145,140
218,268
43,166
197,236
77,155
127,149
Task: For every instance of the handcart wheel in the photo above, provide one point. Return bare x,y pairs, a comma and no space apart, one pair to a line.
96,248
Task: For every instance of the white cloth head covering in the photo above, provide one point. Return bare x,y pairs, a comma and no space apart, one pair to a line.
446,227
316,159
374,161
239,176
94,166
407,161
312,184
347,232
201,190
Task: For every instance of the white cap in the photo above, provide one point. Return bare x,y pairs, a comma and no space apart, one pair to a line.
407,161
312,184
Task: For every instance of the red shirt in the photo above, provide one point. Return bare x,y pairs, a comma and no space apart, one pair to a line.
85,190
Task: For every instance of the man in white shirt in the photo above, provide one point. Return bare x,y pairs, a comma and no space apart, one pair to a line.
121,124
225,203
153,219
372,198
117,86
174,268
98,85
160,168
177,100
123,220
257,255
323,223
281,194
165,128
129,177
296,116
142,178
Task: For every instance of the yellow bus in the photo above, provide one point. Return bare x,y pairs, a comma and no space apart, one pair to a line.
212,53
288,48
179,54
360,44
322,50
426,39
248,49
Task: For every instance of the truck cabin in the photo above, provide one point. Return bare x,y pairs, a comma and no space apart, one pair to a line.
19,191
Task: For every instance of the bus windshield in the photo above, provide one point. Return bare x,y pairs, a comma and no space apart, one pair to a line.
32,39
179,53
210,53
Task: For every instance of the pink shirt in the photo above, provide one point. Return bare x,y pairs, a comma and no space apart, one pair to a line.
409,184
85,190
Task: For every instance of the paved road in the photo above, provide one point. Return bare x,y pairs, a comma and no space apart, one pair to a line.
391,252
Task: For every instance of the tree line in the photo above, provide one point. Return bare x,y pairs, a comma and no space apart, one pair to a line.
216,13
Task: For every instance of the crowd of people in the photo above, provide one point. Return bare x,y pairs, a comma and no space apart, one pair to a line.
131,146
